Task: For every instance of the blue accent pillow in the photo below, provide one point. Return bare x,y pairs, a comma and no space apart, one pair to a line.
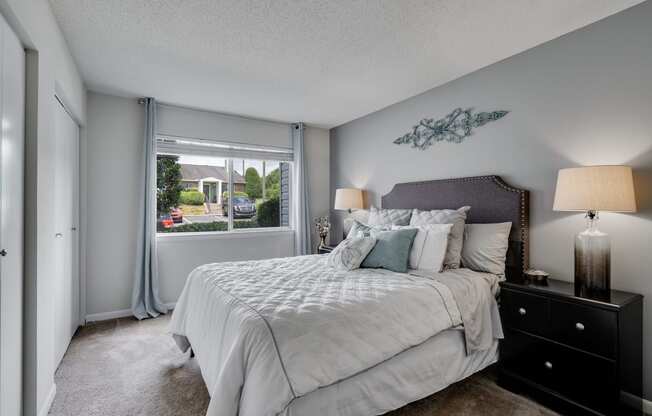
392,250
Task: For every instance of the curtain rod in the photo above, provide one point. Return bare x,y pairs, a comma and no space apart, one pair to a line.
296,126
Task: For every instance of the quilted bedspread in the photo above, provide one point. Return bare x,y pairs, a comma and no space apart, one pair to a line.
266,332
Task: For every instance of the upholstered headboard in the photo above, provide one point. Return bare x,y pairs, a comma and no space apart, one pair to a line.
491,201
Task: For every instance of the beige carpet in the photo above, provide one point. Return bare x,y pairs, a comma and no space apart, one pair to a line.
125,367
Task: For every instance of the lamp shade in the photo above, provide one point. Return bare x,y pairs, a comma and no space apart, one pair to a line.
595,188
348,198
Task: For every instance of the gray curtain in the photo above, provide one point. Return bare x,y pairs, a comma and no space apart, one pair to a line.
301,212
145,301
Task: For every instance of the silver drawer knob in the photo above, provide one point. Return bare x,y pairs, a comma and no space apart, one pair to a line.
579,326
522,311
548,365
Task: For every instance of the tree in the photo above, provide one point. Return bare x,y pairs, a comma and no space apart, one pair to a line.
168,183
253,184
273,184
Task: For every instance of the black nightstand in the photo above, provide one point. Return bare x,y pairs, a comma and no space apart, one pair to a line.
325,249
577,355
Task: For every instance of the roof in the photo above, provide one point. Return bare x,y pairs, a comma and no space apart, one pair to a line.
198,172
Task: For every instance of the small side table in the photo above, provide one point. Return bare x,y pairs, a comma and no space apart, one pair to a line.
325,249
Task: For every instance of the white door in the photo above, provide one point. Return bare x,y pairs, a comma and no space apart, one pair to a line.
65,213
12,145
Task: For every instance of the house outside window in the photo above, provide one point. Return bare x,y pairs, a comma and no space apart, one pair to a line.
208,188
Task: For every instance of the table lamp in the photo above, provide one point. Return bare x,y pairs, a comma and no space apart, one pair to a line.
348,199
593,189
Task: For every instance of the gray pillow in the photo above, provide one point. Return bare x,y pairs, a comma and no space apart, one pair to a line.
457,217
392,250
485,247
359,229
389,217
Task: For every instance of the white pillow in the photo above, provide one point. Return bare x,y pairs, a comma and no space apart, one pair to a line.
429,246
350,253
389,217
485,247
457,217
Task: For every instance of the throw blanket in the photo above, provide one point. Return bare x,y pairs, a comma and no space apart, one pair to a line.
266,332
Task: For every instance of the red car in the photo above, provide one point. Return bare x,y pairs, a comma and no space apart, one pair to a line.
164,222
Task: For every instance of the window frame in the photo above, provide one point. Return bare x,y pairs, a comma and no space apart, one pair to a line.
231,231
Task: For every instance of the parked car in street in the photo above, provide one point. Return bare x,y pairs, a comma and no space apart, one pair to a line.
164,222
242,207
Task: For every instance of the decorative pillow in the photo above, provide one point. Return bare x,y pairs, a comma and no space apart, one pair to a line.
389,217
429,246
349,253
457,217
359,229
391,251
485,247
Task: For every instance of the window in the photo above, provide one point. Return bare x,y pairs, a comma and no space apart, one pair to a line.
209,187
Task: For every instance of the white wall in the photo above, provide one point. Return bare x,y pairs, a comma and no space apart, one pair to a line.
50,69
582,99
115,129
179,255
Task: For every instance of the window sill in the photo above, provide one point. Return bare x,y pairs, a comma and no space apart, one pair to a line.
222,235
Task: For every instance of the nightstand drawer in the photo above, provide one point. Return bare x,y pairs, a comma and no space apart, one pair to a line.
524,311
588,328
584,378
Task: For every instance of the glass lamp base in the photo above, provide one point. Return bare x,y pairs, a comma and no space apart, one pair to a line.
592,262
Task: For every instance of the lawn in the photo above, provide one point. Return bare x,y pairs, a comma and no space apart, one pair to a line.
192,209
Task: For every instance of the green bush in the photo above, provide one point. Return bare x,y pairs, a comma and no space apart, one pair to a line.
269,213
245,223
254,184
191,198
210,226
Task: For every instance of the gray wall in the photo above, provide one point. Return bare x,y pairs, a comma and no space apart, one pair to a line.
113,157
111,160
582,99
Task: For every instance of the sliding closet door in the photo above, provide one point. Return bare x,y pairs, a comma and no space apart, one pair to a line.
65,212
12,140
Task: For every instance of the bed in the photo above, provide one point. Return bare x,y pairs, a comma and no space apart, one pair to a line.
294,337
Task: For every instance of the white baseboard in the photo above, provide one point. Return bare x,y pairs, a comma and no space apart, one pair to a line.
105,316
124,313
48,401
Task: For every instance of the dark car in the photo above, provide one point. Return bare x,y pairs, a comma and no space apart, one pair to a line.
243,207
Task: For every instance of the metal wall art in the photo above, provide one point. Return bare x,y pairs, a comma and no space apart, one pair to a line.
455,127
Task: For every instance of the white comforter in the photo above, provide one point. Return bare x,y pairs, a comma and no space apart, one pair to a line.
266,332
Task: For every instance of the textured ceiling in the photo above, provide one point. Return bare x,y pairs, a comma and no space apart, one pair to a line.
324,62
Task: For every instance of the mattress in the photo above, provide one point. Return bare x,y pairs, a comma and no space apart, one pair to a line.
270,334
409,376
